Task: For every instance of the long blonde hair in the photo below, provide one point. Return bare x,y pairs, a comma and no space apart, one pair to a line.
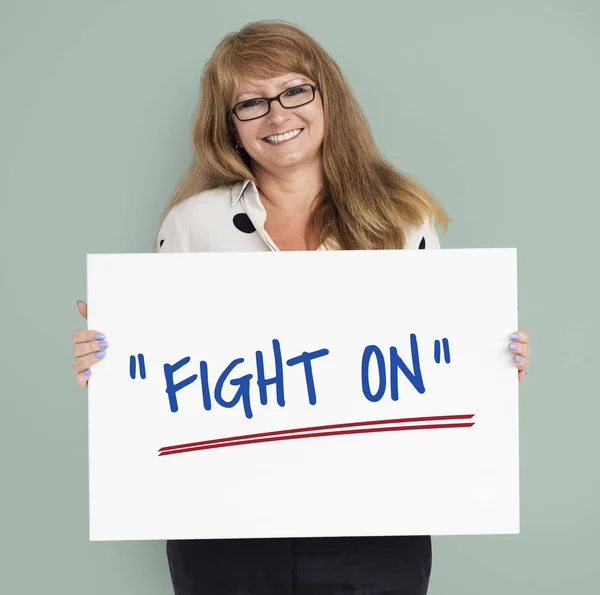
366,203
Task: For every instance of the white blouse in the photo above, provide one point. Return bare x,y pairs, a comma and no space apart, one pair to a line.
232,219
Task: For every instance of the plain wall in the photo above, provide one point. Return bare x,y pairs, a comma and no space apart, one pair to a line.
493,106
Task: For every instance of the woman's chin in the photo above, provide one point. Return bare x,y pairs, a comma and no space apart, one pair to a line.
291,159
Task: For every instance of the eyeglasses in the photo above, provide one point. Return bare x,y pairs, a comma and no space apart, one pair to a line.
258,107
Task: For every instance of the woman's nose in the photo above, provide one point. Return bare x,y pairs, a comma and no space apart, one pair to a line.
278,113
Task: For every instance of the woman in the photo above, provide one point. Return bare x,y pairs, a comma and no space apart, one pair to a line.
284,160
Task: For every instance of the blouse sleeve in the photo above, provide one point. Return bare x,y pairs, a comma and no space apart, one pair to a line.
170,237
426,238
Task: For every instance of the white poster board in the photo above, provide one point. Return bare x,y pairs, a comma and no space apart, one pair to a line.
312,394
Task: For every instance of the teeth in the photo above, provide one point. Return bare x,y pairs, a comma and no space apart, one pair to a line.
277,138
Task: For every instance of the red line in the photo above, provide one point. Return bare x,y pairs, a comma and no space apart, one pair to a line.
313,435
316,428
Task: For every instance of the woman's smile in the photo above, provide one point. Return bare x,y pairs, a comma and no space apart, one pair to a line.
279,139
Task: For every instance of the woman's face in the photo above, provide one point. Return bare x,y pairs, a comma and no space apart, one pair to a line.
256,137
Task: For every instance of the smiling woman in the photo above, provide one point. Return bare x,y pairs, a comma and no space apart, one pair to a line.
276,112
284,160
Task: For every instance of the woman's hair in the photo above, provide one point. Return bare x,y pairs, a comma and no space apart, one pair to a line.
366,203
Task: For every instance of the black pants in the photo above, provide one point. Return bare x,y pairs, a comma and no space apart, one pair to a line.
306,566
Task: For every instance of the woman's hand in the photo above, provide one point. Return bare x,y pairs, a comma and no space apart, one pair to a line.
519,347
89,349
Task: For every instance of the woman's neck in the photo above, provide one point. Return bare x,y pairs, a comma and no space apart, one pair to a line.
291,192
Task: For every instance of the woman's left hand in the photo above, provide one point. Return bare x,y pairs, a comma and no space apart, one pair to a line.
519,347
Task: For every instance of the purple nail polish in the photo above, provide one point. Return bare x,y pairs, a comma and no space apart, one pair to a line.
99,336
514,347
103,344
87,372
100,354
518,359
515,336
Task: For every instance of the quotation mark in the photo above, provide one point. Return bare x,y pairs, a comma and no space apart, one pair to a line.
133,366
436,351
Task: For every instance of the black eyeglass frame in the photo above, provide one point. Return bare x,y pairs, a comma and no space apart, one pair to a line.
277,98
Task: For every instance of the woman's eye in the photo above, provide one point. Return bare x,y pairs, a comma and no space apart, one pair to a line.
295,91
249,104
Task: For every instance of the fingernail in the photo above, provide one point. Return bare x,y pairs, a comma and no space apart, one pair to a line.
80,301
515,336
100,354
99,336
514,347
518,359
103,344
87,372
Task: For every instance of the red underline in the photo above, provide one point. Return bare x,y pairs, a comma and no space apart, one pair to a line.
317,431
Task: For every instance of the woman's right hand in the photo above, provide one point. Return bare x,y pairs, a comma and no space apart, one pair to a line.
90,348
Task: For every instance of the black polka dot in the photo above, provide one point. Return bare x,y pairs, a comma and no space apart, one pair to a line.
422,244
161,243
243,223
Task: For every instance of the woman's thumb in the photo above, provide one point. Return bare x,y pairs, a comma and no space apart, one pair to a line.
82,307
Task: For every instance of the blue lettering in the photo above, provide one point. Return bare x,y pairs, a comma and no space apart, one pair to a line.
172,388
277,380
243,391
416,378
366,386
205,386
306,358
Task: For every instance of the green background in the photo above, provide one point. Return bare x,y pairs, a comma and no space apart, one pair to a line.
492,105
